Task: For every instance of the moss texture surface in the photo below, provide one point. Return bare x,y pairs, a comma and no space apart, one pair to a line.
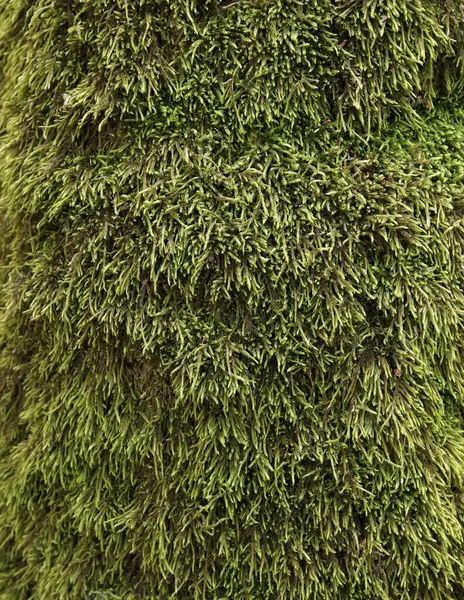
232,300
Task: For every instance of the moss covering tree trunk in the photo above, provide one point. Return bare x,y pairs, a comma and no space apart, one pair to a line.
232,300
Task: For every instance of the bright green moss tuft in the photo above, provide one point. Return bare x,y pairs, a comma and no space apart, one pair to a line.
232,302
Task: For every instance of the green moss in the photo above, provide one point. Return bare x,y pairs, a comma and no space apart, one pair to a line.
232,302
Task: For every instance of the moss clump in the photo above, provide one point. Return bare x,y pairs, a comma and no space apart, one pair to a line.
232,299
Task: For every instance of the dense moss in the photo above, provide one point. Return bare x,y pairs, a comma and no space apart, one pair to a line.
231,360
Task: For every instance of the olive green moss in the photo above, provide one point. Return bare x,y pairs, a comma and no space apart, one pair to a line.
232,300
